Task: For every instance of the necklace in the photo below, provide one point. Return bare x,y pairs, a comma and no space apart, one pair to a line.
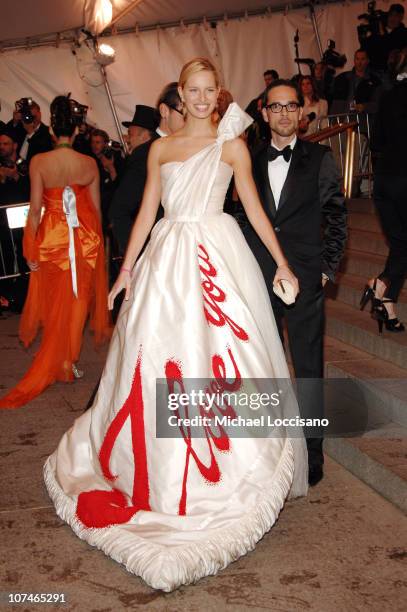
65,145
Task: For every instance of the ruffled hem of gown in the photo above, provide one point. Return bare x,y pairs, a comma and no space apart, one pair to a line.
167,569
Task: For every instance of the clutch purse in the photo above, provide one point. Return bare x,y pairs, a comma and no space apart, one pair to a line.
284,290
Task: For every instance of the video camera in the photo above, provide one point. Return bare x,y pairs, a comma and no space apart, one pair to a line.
330,57
78,111
112,148
375,19
24,107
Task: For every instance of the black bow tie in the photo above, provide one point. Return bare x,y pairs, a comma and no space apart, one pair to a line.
273,153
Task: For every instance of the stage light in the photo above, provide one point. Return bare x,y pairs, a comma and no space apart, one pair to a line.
105,54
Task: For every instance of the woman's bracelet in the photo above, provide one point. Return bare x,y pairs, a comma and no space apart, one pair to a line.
123,269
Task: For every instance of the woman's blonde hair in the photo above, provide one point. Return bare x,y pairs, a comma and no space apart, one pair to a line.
198,64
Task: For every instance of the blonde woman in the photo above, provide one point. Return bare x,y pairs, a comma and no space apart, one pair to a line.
176,508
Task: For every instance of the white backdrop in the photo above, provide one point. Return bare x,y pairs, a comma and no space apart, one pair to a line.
242,50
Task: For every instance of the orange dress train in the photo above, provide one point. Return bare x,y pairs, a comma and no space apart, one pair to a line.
63,292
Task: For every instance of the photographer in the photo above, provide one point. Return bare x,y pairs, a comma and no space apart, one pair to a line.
380,33
357,89
14,181
110,163
37,138
397,31
14,188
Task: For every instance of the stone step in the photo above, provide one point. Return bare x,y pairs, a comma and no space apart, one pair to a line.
364,221
378,458
360,331
366,265
379,385
361,205
367,242
349,287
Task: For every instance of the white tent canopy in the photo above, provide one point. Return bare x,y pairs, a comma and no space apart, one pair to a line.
43,17
146,60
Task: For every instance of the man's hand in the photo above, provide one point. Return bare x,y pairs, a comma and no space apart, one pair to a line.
108,165
8,173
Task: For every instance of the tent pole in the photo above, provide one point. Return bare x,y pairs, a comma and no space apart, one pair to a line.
113,108
315,26
124,12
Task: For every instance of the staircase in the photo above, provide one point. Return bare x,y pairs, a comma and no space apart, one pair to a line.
377,364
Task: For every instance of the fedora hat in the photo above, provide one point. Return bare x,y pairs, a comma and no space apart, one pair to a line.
145,117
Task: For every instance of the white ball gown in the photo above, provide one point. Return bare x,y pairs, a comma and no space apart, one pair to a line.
173,510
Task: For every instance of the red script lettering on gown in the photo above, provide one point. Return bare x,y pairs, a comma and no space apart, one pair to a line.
104,508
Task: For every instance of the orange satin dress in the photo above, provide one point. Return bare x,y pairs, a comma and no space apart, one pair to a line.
51,301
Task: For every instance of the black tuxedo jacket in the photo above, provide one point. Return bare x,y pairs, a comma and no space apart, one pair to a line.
127,198
39,142
311,199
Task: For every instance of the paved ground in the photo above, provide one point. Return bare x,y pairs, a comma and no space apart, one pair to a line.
341,549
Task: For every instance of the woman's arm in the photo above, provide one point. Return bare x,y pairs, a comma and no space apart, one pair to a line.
143,224
36,192
246,188
34,214
94,188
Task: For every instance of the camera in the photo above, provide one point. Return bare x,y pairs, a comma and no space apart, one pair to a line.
332,58
78,112
375,19
20,165
111,149
24,107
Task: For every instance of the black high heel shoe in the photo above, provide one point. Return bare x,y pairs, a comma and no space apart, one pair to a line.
392,325
369,295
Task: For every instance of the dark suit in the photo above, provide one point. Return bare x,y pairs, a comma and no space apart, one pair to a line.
390,183
311,197
39,142
127,199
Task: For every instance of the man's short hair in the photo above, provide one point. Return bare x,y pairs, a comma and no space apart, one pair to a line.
101,133
272,73
361,51
169,96
10,133
283,83
397,8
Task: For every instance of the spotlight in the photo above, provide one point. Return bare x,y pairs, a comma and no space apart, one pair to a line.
104,55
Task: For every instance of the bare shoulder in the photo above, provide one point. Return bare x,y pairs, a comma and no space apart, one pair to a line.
163,147
235,151
157,148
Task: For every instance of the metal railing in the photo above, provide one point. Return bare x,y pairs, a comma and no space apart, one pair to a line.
355,162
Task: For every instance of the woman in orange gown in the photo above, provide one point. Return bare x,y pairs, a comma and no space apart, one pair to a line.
65,253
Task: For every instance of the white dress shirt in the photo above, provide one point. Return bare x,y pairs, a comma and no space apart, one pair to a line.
277,171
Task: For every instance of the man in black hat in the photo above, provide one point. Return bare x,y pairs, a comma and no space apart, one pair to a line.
127,198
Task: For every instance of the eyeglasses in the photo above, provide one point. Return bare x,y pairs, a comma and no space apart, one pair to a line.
176,109
276,107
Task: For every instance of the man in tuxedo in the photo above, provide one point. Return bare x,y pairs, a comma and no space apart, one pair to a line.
37,137
129,193
299,187
147,125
